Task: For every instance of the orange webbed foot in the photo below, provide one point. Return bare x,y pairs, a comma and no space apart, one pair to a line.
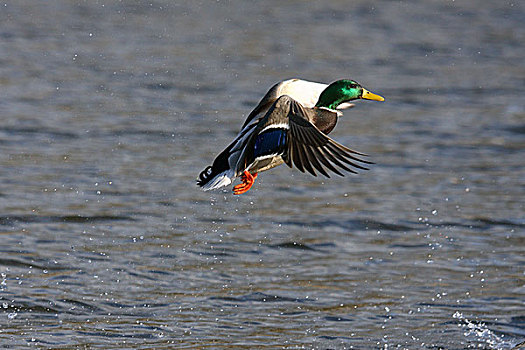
247,181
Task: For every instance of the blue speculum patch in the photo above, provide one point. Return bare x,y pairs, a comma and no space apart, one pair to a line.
270,142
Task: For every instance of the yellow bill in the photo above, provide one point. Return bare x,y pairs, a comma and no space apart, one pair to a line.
367,95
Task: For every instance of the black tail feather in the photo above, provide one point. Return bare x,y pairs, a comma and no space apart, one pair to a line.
205,176
220,164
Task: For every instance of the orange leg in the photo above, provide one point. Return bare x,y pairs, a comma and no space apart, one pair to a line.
247,181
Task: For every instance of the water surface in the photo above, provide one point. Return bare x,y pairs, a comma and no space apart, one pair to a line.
109,110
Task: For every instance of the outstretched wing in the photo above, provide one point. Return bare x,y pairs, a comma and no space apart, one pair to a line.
286,130
310,149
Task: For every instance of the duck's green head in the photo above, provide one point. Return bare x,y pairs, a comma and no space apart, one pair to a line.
343,91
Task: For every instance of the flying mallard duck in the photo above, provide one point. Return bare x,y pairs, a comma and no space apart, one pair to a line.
289,125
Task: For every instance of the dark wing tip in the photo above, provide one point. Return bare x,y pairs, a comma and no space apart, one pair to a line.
310,150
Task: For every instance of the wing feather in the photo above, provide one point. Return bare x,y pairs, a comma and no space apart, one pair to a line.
309,149
306,161
330,157
341,155
313,159
322,159
297,158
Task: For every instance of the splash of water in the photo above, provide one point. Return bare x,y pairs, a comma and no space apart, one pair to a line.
482,333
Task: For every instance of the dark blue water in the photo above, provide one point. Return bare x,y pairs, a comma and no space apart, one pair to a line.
109,110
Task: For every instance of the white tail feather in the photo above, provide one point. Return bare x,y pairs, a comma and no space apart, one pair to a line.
223,179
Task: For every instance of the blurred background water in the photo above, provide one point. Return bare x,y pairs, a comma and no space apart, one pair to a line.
110,109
